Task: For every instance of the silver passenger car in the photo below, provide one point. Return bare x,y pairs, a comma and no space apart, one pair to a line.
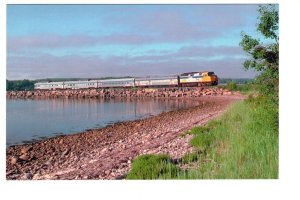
157,81
80,84
127,82
49,85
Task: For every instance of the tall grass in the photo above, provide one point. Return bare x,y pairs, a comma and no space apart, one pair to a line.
153,167
241,144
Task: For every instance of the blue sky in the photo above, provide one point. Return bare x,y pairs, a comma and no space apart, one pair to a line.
119,40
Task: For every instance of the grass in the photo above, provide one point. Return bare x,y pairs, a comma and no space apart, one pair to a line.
153,167
241,144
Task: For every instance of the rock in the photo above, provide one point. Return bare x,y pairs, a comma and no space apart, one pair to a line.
49,161
65,152
13,160
121,177
9,172
103,150
107,172
36,176
25,150
14,176
115,93
77,177
26,176
24,157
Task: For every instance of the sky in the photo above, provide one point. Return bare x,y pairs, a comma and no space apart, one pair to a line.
80,41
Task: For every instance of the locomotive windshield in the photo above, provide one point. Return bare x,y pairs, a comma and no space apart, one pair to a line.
210,73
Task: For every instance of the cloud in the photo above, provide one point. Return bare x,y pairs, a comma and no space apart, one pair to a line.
43,66
210,51
148,28
173,26
196,52
39,42
16,44
192,26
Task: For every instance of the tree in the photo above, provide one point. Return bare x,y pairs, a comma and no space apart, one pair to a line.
19,85
265,57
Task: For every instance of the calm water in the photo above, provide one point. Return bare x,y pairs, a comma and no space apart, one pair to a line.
31,120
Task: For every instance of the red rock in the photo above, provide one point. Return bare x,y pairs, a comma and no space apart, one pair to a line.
13,160
25,150
24,157
103,150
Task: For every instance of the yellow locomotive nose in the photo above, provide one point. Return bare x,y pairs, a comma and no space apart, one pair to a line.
209,78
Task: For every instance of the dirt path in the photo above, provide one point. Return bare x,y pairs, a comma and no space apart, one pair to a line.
107,153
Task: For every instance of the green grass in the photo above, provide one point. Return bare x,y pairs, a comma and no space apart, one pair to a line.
190,157
241,144
153,167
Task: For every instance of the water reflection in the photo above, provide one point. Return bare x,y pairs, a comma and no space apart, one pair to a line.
31,120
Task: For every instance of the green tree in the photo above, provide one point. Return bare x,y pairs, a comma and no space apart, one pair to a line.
19,85
264,57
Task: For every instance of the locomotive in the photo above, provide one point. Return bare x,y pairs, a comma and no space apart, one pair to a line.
189,79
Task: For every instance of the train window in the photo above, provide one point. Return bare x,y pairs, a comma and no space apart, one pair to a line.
211,73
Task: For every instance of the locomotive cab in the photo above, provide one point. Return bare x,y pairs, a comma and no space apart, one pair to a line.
210,77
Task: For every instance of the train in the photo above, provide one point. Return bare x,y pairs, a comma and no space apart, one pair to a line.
189,79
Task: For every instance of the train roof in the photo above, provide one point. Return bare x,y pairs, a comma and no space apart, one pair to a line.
111,80
192,73
156,78
81,81
189,73
49,83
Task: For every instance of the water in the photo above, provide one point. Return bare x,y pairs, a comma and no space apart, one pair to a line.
32,120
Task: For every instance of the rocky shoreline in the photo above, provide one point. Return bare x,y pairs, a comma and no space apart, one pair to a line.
107,153
121,93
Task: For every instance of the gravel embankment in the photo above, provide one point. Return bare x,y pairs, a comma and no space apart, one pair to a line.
110,93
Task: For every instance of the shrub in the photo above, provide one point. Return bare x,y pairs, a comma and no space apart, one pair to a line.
231,86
